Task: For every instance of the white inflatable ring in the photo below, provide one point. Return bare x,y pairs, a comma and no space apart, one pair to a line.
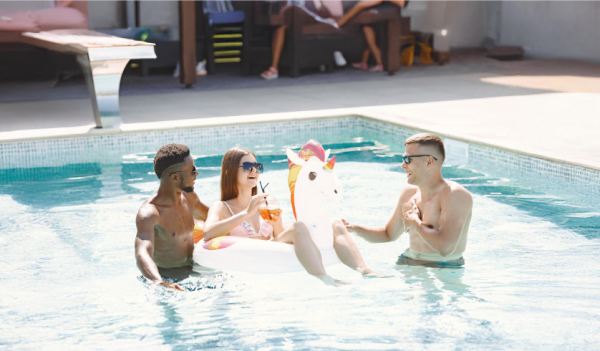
240,254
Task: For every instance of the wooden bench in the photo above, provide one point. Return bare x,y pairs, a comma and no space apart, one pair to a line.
103,58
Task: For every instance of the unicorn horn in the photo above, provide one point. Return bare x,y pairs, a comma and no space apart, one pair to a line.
330,164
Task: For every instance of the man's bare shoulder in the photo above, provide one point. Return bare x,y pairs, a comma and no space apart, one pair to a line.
148,211
457,194
407,192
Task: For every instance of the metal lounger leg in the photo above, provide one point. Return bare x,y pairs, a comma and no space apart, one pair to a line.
103,80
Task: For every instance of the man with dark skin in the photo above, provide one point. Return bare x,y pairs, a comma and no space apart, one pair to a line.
435,212
164,243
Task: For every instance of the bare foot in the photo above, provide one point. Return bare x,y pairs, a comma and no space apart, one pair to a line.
341,282
367,273
330,281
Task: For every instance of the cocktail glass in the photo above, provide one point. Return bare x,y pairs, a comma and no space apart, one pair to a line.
270,208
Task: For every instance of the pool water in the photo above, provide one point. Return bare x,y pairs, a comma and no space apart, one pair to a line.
69,279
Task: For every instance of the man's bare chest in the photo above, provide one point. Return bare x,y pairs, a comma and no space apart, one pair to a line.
430,210
175,223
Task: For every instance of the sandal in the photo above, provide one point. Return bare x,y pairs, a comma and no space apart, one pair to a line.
201,69
361,66
376,68
271,73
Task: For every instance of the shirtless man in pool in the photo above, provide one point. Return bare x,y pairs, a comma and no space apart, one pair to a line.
435,212
165,223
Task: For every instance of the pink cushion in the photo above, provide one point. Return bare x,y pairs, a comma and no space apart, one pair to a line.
59,18
17,22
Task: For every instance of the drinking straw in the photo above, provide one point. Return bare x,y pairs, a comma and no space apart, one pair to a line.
266,203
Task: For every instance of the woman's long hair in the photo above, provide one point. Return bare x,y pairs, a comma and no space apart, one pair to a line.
229,172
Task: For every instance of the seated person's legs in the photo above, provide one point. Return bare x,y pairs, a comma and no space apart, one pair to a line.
307,252
369,33
346,249
363,64
361,5
372,42
365,4
276,49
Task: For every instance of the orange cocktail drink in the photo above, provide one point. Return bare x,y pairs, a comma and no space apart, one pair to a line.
268,212
270,209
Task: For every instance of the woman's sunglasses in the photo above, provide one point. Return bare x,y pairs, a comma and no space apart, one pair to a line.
406,158
249,166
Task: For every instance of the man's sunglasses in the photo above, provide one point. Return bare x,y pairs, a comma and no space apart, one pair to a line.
406,158
249,166
193,171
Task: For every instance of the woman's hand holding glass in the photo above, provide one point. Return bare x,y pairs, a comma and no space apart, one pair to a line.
255,203
271,213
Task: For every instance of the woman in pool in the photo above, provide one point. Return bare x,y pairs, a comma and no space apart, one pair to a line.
237,214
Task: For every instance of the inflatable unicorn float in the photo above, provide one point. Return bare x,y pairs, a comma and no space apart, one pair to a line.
311,181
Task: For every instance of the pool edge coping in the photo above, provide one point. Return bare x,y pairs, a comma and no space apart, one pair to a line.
213,122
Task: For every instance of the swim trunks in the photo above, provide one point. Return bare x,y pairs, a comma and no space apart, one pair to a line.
417,258
175,264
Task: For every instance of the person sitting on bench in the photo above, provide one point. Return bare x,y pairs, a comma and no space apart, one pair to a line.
369,33
319,11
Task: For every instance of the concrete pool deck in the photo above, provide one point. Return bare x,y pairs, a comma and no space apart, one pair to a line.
518,113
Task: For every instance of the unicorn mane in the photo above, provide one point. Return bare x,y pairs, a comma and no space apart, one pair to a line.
311,149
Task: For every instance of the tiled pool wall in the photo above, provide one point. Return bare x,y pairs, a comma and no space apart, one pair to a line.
501,163
26,155
213,140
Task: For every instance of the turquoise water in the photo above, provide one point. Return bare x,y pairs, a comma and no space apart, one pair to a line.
69,280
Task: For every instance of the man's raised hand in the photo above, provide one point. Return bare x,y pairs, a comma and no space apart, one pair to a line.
349,226
415,208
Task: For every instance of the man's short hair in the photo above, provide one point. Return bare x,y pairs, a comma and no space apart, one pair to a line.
428,139
168,156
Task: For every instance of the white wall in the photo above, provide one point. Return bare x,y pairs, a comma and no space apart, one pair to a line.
109,14
105,14
464,21
569,29
159,13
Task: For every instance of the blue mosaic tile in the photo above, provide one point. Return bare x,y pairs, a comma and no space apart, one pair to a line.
534,171
216,140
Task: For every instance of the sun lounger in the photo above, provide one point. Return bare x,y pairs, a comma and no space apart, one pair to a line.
102,58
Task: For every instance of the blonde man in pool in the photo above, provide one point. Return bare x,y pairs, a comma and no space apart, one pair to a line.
435,212
164,242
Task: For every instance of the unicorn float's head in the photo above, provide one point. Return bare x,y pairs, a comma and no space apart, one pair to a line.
312,181
310,173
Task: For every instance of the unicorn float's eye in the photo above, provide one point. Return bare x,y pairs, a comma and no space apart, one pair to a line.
312,175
